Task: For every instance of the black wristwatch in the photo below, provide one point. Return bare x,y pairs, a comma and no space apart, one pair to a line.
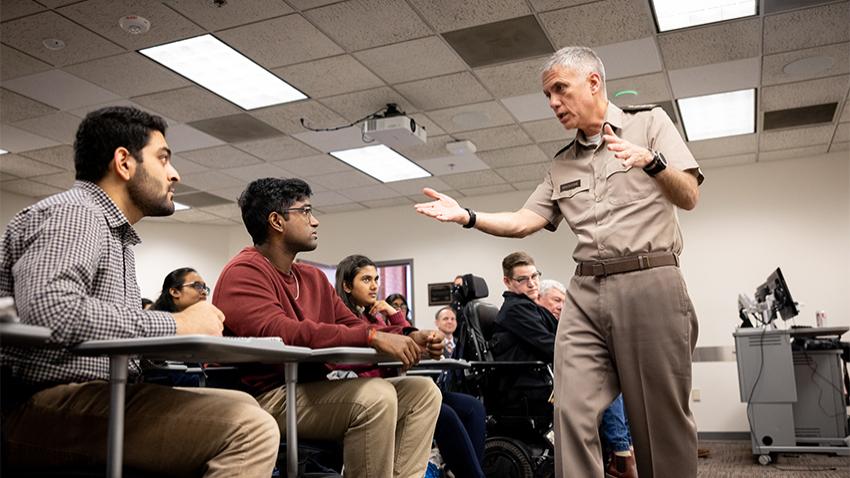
657,164
471,223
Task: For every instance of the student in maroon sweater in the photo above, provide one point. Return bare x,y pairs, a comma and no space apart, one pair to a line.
386,425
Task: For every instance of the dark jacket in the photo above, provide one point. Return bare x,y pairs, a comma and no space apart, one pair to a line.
524,331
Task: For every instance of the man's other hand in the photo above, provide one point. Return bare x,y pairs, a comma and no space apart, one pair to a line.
200,318
444,208
399,346
430,342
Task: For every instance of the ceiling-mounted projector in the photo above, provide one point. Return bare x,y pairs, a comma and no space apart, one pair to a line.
398,131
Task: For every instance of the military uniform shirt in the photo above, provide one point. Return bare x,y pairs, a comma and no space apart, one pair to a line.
615,211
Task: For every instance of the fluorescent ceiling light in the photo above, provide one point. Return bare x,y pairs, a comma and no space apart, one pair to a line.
675,14
213,64
179,206
3,151
382,163
718,115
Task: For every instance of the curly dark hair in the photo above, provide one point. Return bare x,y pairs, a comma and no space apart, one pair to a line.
264,196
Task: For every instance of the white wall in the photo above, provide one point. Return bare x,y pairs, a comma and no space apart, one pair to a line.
751,219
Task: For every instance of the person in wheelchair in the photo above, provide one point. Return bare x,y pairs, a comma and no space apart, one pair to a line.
460,426
525,330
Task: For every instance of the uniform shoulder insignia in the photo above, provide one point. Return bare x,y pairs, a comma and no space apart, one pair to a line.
564,148
638,108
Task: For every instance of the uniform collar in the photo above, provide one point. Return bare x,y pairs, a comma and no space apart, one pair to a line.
114,217
613,116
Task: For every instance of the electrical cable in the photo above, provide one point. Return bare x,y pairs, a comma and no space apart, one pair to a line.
391,109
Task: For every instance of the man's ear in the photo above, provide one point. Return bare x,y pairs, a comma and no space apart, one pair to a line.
123,164
595,82
507,282
276,222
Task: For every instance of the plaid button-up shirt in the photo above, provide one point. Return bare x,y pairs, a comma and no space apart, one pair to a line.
68,262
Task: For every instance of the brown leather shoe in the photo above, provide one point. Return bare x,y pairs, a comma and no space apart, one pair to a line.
622,467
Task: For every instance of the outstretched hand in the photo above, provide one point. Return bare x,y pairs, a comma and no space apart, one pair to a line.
444,208
630,154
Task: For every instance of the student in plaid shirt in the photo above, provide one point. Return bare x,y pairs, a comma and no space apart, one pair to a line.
69,264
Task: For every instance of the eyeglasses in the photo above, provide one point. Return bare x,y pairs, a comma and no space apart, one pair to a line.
524,279
305,210
198,286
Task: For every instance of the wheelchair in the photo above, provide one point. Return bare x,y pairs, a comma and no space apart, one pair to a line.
519,419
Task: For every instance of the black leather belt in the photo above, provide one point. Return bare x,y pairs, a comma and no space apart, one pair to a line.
626,264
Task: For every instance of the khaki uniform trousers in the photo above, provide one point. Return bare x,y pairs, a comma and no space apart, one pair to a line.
168,431
386,425
632,333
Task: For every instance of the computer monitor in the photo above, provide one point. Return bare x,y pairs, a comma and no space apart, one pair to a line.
775,295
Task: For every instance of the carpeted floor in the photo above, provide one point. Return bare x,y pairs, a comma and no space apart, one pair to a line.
732,459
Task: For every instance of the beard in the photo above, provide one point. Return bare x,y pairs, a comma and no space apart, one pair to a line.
144,192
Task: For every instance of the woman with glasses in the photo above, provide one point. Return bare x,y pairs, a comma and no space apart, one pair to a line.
180,289
399,302
460,428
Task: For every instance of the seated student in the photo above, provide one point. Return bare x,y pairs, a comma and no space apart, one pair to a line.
68,261
181,288
385,425
460,427
399,302
526,331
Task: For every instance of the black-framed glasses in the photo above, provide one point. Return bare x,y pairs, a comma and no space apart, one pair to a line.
305,210
525,279
198,286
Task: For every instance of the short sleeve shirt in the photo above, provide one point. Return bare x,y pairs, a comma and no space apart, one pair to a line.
615,211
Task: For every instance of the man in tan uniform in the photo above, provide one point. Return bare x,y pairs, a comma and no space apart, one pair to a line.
628,324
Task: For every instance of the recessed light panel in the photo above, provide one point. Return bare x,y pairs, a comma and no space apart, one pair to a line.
213,64
3,151
180,206
382,163
719,115
675,14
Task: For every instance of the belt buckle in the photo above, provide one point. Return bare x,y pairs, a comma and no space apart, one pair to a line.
599,269
643,262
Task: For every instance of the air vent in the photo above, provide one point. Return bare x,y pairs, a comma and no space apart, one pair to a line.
238,128
805,115
202,199
500,42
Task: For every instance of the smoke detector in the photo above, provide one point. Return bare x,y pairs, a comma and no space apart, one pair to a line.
460,148
134,24
53,44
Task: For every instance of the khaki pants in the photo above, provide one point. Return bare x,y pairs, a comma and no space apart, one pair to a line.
634,333
170,431
386,425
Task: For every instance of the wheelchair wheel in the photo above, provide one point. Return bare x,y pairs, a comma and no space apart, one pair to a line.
507,458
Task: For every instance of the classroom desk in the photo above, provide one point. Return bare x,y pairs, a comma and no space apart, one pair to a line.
16,334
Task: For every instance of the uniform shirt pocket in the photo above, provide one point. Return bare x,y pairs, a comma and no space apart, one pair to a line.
573,198
626,184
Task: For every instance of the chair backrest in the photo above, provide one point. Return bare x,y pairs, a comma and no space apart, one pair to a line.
479,318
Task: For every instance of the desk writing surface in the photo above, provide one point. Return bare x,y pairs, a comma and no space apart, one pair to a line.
16,334
349,355
197,348
443,364
819,331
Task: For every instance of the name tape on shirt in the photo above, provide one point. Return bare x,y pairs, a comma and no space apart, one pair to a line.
570,185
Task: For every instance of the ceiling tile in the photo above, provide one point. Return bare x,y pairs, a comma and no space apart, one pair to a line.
435,147
531,107
287,117
342,208
842,133
184,166
651,89
716,78
28,188
354,106
227,211
730,146
526,185
716,43
839,147
263,41
130,74
14,64
24,167
229,193
60,90
500,42
623,20
552,147
390,202
412,60
793,138
63,180
59,156
59,126
469,117
726,161
360,24
18,8
211,180
549,130
336,140
17,140
629,58
447,15
793,153
221,157
216,17
314,165
442,92
412,187
497,138
328,198
256,171
544,5
277,149
845,115
516,156
182,137
347,179
14,107
526,172
472,179
805,93
329,76
837,56
191,216
83,111
807,28
488,190
101,16
26,34
444,165
370,193
512,79
188,104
